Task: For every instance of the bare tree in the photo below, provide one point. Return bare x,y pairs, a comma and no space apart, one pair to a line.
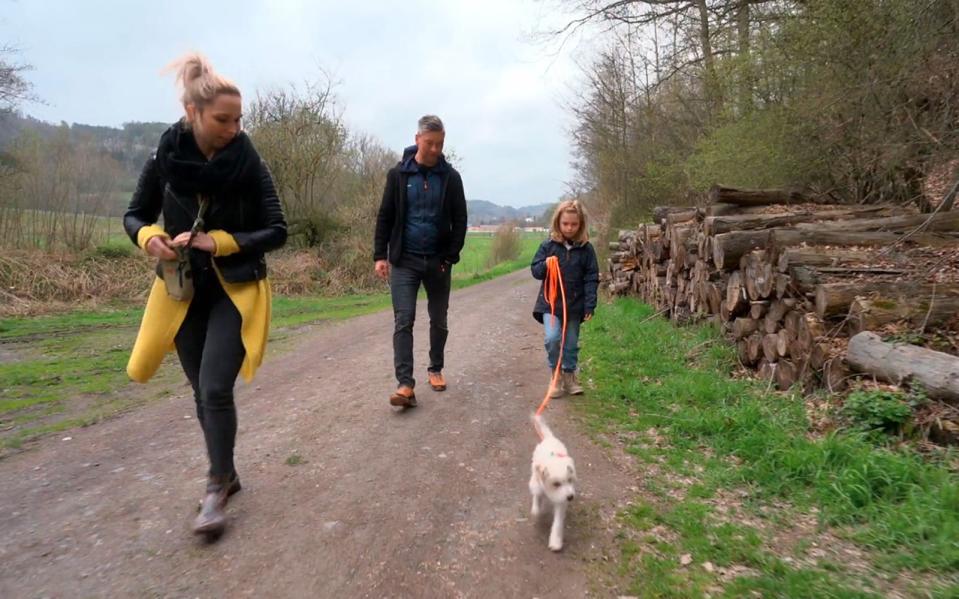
302,138
13,87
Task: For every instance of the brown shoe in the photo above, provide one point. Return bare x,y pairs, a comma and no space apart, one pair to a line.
403,397
437,381
211,519
572,383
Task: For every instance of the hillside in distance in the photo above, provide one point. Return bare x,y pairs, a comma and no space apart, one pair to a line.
482,212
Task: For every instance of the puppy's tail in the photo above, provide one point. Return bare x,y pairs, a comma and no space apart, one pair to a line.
541,429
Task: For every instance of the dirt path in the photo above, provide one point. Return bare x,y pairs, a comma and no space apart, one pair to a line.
427,503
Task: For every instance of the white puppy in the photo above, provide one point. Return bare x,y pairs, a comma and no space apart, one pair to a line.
553,475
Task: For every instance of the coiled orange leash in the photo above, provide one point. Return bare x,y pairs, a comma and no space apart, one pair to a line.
552,284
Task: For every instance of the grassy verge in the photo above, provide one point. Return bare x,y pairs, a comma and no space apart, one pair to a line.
739,497
474,267
62,371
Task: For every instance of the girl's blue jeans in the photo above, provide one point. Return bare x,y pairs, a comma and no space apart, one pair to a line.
553,325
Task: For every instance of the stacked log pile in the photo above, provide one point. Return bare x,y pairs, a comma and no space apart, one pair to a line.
790,279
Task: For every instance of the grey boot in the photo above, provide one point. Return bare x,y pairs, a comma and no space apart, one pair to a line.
571,384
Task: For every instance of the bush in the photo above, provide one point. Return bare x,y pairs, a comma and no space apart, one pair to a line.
506,245
876,411
121,248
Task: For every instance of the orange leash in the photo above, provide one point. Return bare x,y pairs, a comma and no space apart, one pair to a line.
552,284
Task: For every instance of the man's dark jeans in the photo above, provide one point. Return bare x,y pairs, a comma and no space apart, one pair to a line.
405,280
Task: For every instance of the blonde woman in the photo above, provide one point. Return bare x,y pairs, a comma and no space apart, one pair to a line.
205,159
568,243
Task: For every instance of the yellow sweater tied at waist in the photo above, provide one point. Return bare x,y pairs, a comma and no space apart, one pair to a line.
164,315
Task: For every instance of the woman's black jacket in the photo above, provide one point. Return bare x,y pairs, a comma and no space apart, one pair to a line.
253,216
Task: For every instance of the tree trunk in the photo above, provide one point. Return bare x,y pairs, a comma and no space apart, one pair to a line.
938,372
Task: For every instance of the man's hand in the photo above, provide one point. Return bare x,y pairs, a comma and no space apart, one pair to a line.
202,241
382,269
159,247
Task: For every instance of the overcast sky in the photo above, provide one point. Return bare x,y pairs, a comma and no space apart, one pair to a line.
472,62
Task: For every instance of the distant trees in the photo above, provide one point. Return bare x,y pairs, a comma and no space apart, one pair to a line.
858,98
58,193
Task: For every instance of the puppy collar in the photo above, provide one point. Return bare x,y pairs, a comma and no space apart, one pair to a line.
558,455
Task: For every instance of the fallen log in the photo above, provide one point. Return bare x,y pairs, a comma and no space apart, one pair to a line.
823,256
735,295
754,197
744,327
757,275
870,314
770,344
728,248
660,213
714,225
781,238
757,308
681,215
942,221
897,363
833,299
786,375
751,349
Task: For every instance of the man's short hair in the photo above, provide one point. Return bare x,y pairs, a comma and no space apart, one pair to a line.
430,122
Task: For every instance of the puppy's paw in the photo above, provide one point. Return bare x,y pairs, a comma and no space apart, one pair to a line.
535,511
556,544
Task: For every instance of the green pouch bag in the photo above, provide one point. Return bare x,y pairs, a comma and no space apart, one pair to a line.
177,274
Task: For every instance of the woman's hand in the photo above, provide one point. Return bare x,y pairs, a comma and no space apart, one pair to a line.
587,316
202,241
159,247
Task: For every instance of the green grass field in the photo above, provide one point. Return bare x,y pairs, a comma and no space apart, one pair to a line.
735,479
62,371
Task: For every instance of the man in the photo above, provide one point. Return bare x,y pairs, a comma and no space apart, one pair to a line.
420,230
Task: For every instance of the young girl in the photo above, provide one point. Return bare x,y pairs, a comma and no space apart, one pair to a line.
568,243
222,330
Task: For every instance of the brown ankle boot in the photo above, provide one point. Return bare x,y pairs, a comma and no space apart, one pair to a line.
571,383
233,488
212,519
557,391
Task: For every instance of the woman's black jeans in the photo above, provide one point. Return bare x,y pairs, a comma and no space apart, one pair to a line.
211,353
405,280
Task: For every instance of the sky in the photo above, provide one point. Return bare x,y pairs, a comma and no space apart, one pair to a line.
500,92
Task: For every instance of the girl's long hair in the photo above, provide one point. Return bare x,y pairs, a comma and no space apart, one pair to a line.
572,207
